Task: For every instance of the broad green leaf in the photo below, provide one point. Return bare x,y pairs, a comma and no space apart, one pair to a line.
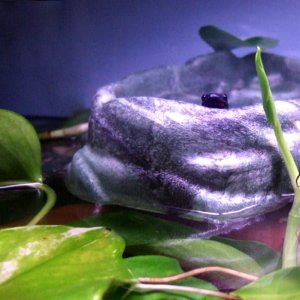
145,234
200,253
157,266
221,40
20,150
59,262
138,228
279,285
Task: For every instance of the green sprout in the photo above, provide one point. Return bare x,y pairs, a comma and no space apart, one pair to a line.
289,258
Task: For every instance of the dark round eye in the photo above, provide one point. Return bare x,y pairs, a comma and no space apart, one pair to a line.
215,100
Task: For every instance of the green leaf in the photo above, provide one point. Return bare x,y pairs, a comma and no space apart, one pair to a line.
138,228
262,42
268,259
279,285
157,266
20,150
201,253
59,262
221,40
270,111
145,234
268,101
161,266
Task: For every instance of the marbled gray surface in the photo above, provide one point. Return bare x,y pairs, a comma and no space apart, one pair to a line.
153,153
176,157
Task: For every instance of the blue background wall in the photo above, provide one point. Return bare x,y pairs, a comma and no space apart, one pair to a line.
55,54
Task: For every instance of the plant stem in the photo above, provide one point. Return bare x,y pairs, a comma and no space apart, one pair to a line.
290,246
50,193
64,132
197,272
51,199
287,156
166,287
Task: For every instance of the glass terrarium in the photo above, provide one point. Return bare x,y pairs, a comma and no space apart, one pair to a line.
142,175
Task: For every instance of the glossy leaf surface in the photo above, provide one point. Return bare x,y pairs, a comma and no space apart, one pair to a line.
138,228
20,150
59,262
268,259
145,234
279,285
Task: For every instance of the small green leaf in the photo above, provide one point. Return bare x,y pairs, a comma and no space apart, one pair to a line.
129,225
157,266
221,40
162,266
279,285
20,150
152,266
59,262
